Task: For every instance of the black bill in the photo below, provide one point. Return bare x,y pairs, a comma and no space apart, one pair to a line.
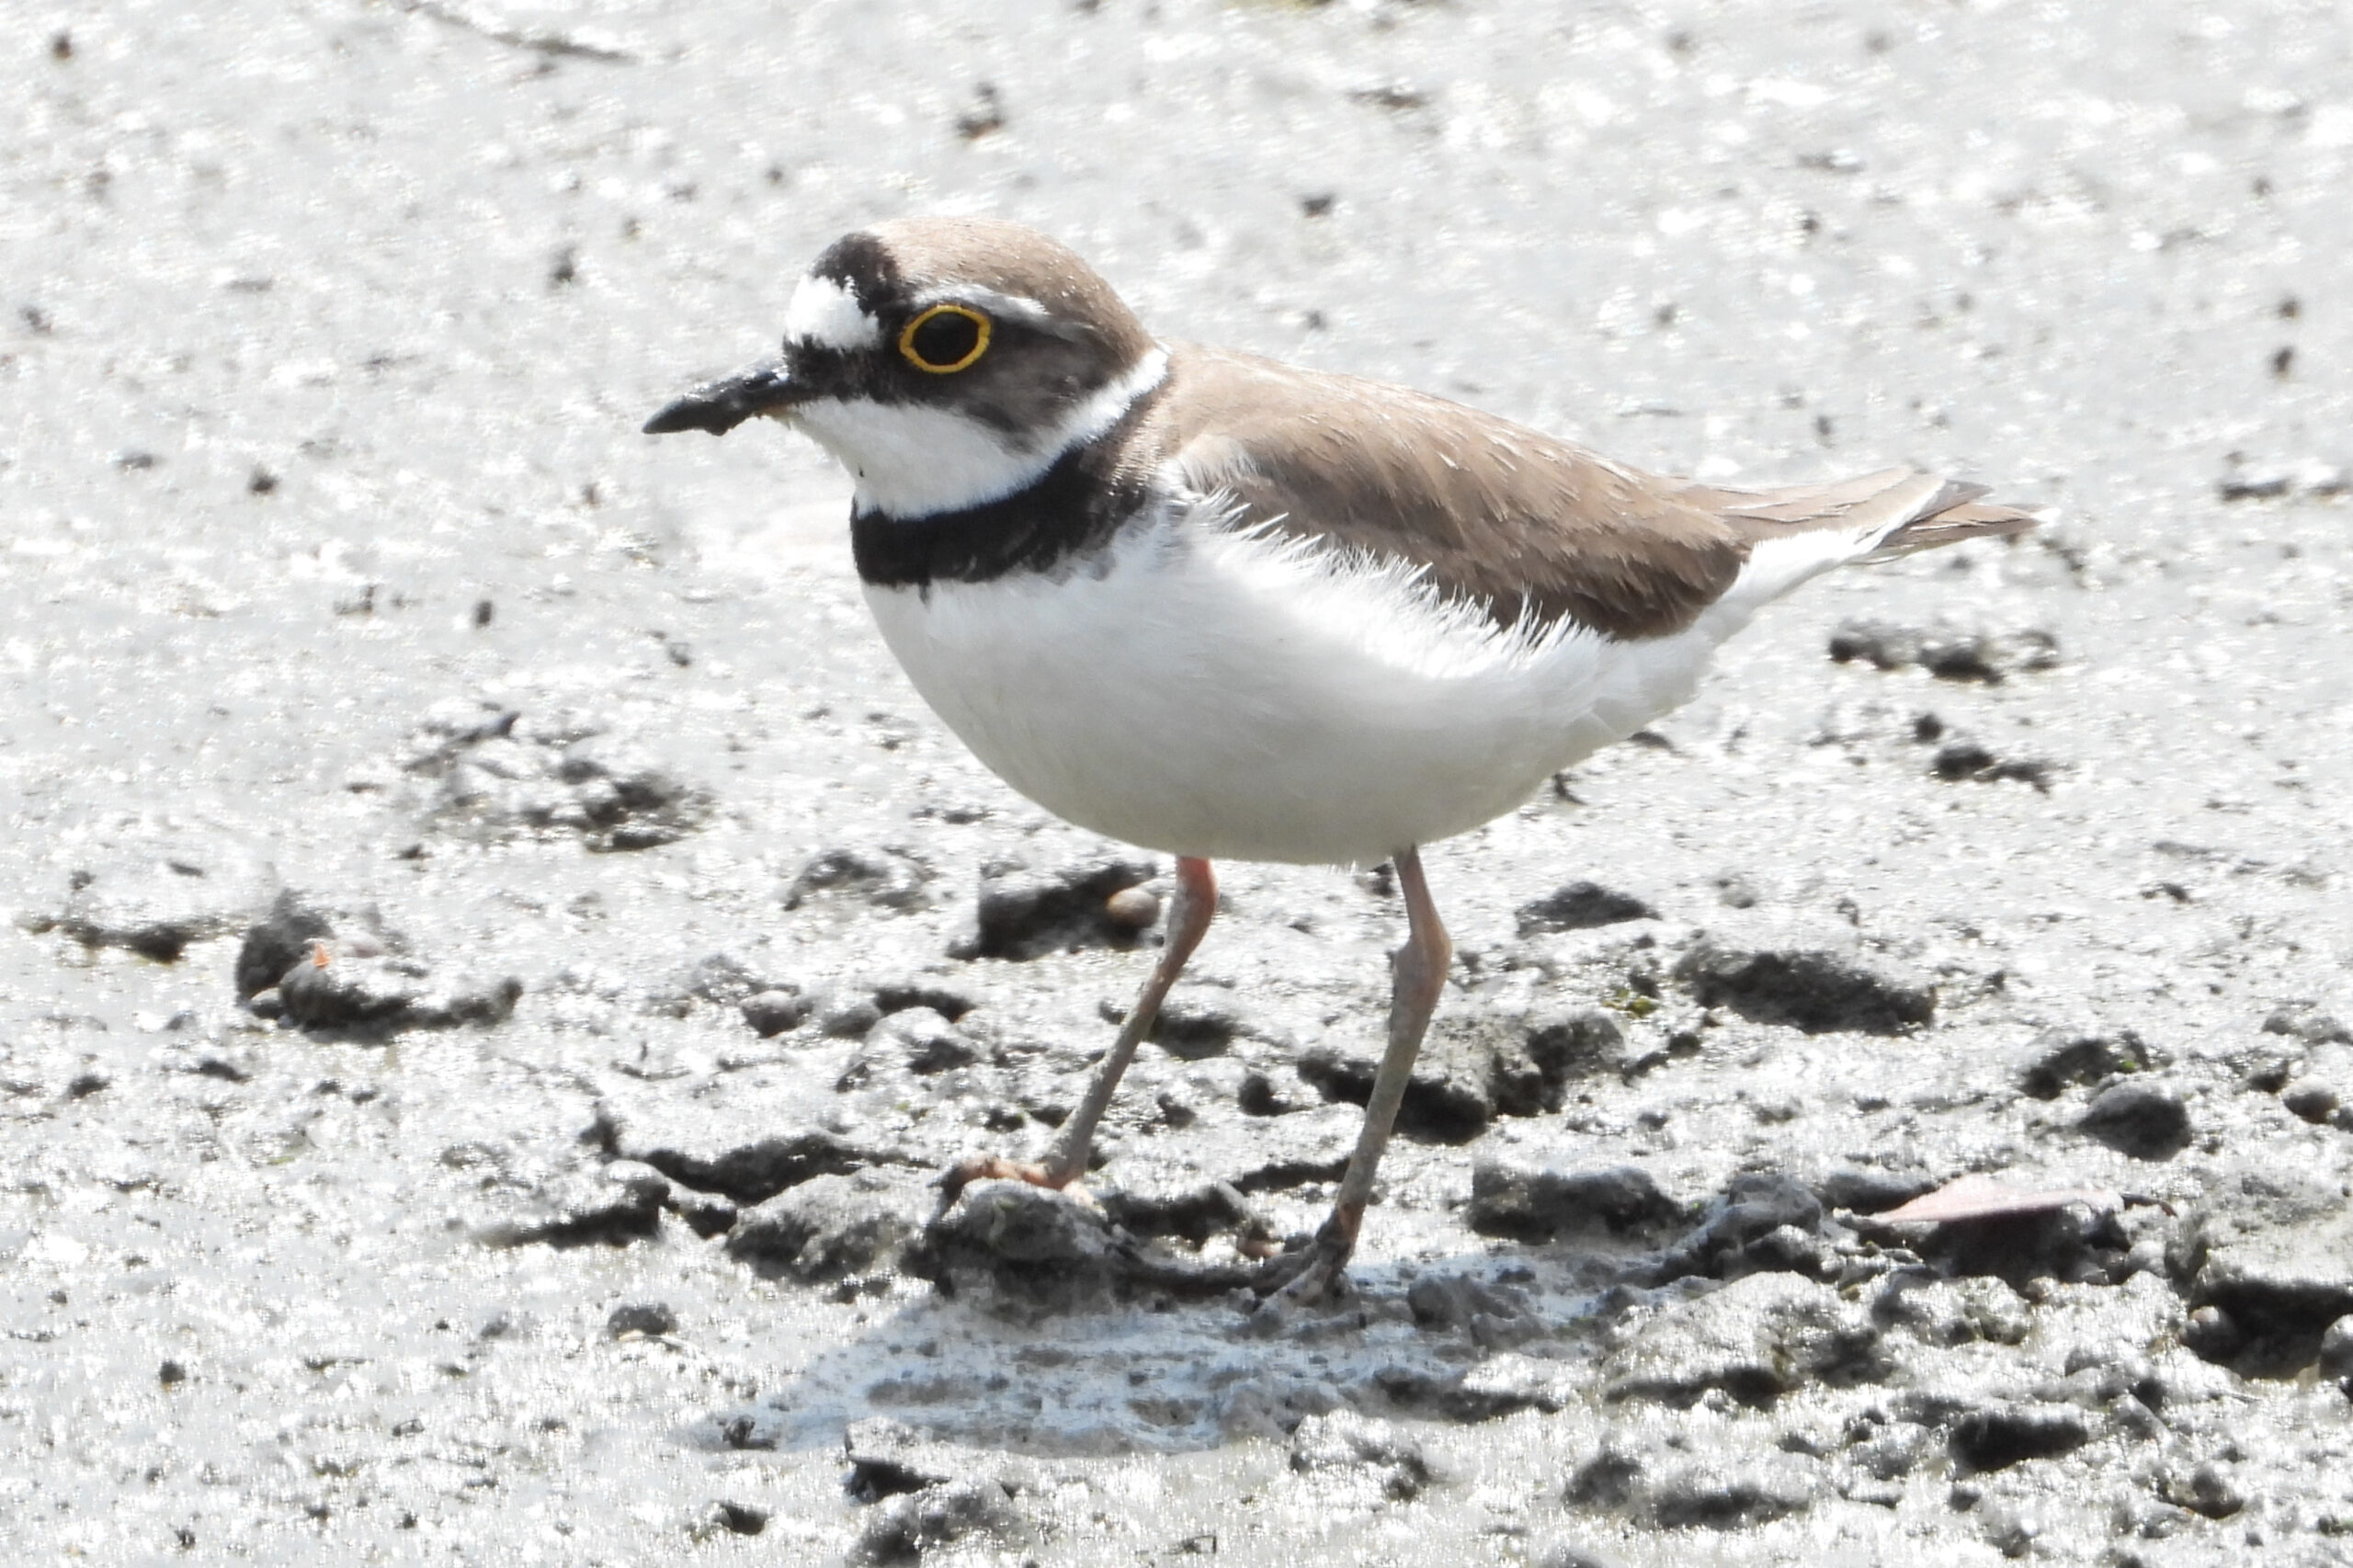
719,406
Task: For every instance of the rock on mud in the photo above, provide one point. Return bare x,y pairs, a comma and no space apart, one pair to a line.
1814,991
2147,1120
1947,652
1535,1204
325,967
1665,1491
1026,912
832,1226
1580,906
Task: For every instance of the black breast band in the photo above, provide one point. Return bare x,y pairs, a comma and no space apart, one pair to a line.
1066,512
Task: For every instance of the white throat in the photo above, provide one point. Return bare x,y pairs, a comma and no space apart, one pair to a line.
911,462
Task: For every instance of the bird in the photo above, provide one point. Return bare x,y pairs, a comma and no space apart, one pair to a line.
1229,608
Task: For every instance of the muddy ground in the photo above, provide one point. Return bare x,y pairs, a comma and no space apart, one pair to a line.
575,1210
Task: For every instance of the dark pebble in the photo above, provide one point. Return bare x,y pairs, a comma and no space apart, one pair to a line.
2303,1021
2146,1120
1816,992
1998,1435
651,1318
1025,914
1536,1205
773,1012
2335,1358
828,1228
2059,1058
1581,906
1869,1191
737,1519
1944,651
2310,1099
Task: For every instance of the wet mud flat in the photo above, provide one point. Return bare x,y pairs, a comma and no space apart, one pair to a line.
496,958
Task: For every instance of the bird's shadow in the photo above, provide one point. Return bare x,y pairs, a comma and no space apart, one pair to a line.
1065,1361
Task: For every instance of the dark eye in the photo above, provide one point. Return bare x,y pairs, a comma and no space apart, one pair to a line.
944,339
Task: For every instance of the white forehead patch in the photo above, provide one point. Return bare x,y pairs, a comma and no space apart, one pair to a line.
826,313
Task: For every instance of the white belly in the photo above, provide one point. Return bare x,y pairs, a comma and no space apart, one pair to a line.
1225,694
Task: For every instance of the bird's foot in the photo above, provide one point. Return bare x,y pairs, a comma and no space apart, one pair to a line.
996,1167
1310,1276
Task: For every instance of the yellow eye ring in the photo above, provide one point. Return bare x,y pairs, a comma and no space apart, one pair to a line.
915,356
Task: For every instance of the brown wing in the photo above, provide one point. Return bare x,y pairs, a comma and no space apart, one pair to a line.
1525,524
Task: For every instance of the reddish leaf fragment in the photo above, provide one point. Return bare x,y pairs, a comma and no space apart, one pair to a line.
1982,1198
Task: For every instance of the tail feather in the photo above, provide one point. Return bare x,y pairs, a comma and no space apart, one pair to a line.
1952,524
1895,510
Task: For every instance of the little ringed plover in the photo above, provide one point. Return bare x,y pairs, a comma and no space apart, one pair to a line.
1221,607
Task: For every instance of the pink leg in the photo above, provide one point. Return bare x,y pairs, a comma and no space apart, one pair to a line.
1188,921
1419,980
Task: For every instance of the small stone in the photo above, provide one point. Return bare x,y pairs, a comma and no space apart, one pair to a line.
2146,1120
2210,1333
1946,651
2310,1099
610,1205
1131,909
903,1529
845,1012
1724,1497
922,1041
155,906
731,1518
1754,1209
1449,1098
1023,1247
829,1227
1965,759
2212,1492
1581,906
2059,1058
2303,1021
1948,1312
1531,1075
1815,992
1025,914
171,1373
1193,1027
773,1012
2280,1300
1996,1437
2336,1349
1539,1204
1493,1314
1871,1190
651,1319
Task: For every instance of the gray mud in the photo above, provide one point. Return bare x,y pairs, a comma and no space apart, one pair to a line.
495,954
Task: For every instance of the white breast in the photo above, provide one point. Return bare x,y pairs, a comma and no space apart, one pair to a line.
1223,693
